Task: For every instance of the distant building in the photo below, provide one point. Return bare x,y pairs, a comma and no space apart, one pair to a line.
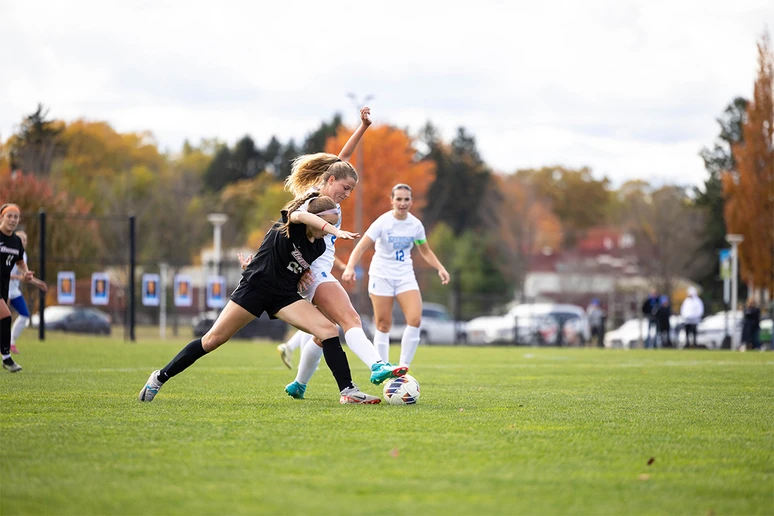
604,265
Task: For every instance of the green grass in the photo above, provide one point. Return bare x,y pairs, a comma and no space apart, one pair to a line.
497,431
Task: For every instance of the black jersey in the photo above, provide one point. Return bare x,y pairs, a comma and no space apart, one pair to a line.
281,260
11,252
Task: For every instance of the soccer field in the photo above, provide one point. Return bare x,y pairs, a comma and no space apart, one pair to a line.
496,431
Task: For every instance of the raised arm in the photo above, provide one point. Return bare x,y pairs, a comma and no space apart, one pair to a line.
430,257
312,220
348,275
349,148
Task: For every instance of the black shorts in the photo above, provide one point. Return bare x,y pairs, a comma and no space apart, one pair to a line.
5,286
257,301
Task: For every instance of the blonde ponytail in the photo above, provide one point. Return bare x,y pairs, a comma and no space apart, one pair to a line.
310,170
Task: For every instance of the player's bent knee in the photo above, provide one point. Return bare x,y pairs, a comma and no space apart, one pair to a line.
213,339
324,331
384,326
350,320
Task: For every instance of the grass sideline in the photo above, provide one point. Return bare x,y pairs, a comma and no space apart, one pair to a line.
497,431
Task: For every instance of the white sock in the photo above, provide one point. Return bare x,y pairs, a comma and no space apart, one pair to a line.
408,345
382,343
5,357
311,354
297,340
18,326
361,346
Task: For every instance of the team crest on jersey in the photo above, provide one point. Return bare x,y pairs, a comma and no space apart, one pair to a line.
299,257
400,242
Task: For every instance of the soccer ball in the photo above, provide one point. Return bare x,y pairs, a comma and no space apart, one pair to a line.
401,391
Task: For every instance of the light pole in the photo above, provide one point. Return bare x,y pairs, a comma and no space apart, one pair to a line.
217,220
734,240
360,285
360,166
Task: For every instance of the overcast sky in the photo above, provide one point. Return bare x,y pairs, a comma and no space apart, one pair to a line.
630,89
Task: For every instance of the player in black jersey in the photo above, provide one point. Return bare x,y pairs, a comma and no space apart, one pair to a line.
270,284
11,253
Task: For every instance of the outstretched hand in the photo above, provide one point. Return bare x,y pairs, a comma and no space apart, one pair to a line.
347,235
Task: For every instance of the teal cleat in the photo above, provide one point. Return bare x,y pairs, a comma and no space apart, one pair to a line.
295,390
381,371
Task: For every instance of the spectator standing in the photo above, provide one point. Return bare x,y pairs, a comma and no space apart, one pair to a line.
751,326
596,318
649,309
663,312
691,311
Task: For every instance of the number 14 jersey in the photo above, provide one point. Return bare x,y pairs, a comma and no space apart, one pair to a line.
394,239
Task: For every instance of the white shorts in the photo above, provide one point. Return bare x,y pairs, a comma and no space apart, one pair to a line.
14,291
320,277
391,287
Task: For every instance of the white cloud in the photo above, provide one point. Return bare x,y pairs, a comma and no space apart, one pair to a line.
631,89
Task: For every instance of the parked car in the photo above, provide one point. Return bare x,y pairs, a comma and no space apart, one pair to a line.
537,323
711,331
74,319
628,335
262,327
437,326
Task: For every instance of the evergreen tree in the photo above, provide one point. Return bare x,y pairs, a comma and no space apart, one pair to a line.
717,161
461,182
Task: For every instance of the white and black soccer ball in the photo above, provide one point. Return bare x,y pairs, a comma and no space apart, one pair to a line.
401,391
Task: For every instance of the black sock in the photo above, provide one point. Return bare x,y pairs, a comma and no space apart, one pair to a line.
337,362
187,356
5,336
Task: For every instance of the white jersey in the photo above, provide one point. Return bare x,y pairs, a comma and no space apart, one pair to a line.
325,262
394,240
13,286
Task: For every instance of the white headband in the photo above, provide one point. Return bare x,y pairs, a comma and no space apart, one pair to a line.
332,211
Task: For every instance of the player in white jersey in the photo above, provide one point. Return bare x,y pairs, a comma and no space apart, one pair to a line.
334,177
16,298
391,275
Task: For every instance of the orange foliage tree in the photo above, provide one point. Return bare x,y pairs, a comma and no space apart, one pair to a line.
69,239
389,158
749,191
526,225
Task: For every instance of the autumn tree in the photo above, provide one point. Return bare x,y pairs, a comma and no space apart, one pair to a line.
474,259
717,161
668,233
580,201
389,157
749,190
69,239
526,225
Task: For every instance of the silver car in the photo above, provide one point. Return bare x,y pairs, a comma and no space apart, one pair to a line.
533,323
436,327
711,331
